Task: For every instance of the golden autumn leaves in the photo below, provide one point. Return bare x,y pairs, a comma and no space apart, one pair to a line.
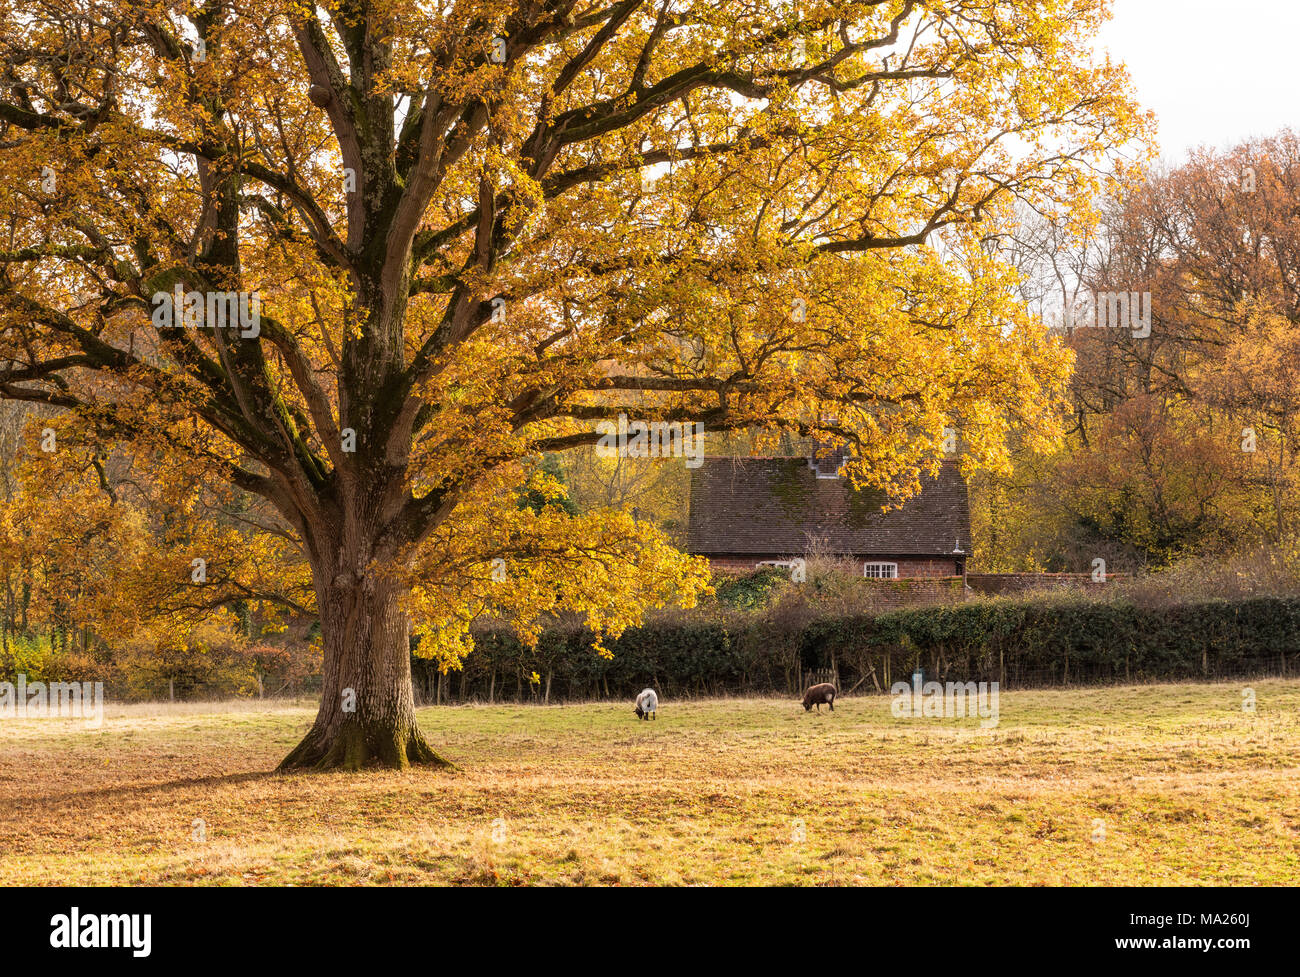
470,253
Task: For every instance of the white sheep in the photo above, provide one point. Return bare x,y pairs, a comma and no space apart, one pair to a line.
647,704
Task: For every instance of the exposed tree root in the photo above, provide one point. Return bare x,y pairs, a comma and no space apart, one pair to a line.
354,748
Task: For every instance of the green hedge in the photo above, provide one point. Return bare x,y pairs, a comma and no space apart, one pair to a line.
1019,643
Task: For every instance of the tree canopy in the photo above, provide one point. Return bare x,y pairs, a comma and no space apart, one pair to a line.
461,233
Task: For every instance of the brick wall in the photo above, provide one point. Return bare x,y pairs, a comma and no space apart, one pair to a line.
908,566
917,591
925,566
921,581
1018,583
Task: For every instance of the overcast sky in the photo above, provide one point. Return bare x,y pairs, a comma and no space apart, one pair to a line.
1214,71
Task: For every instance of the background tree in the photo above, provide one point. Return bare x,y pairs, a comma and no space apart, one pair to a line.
477,228
1182,442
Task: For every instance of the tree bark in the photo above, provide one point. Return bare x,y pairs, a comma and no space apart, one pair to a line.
367,708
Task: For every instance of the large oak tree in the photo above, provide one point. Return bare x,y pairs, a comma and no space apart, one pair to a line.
478,228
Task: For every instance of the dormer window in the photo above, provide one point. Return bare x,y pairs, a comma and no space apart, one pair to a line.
826,459
831,472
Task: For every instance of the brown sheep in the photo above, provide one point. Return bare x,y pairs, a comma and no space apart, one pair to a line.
817,694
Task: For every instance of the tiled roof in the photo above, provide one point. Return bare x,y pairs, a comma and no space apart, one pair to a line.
778,505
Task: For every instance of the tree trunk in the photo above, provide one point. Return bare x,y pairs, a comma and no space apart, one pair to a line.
367,709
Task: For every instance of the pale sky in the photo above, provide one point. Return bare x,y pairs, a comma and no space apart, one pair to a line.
1214,71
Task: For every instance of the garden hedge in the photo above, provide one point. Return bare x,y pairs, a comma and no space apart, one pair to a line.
1046,642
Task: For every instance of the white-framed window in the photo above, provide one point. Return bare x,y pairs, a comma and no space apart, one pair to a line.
783,564
880,571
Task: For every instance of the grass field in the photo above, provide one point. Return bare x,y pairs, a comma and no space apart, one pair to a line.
1149,785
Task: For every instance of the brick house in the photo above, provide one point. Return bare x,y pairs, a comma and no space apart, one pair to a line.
746,512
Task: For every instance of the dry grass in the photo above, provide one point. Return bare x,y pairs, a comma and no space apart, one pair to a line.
1188,789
